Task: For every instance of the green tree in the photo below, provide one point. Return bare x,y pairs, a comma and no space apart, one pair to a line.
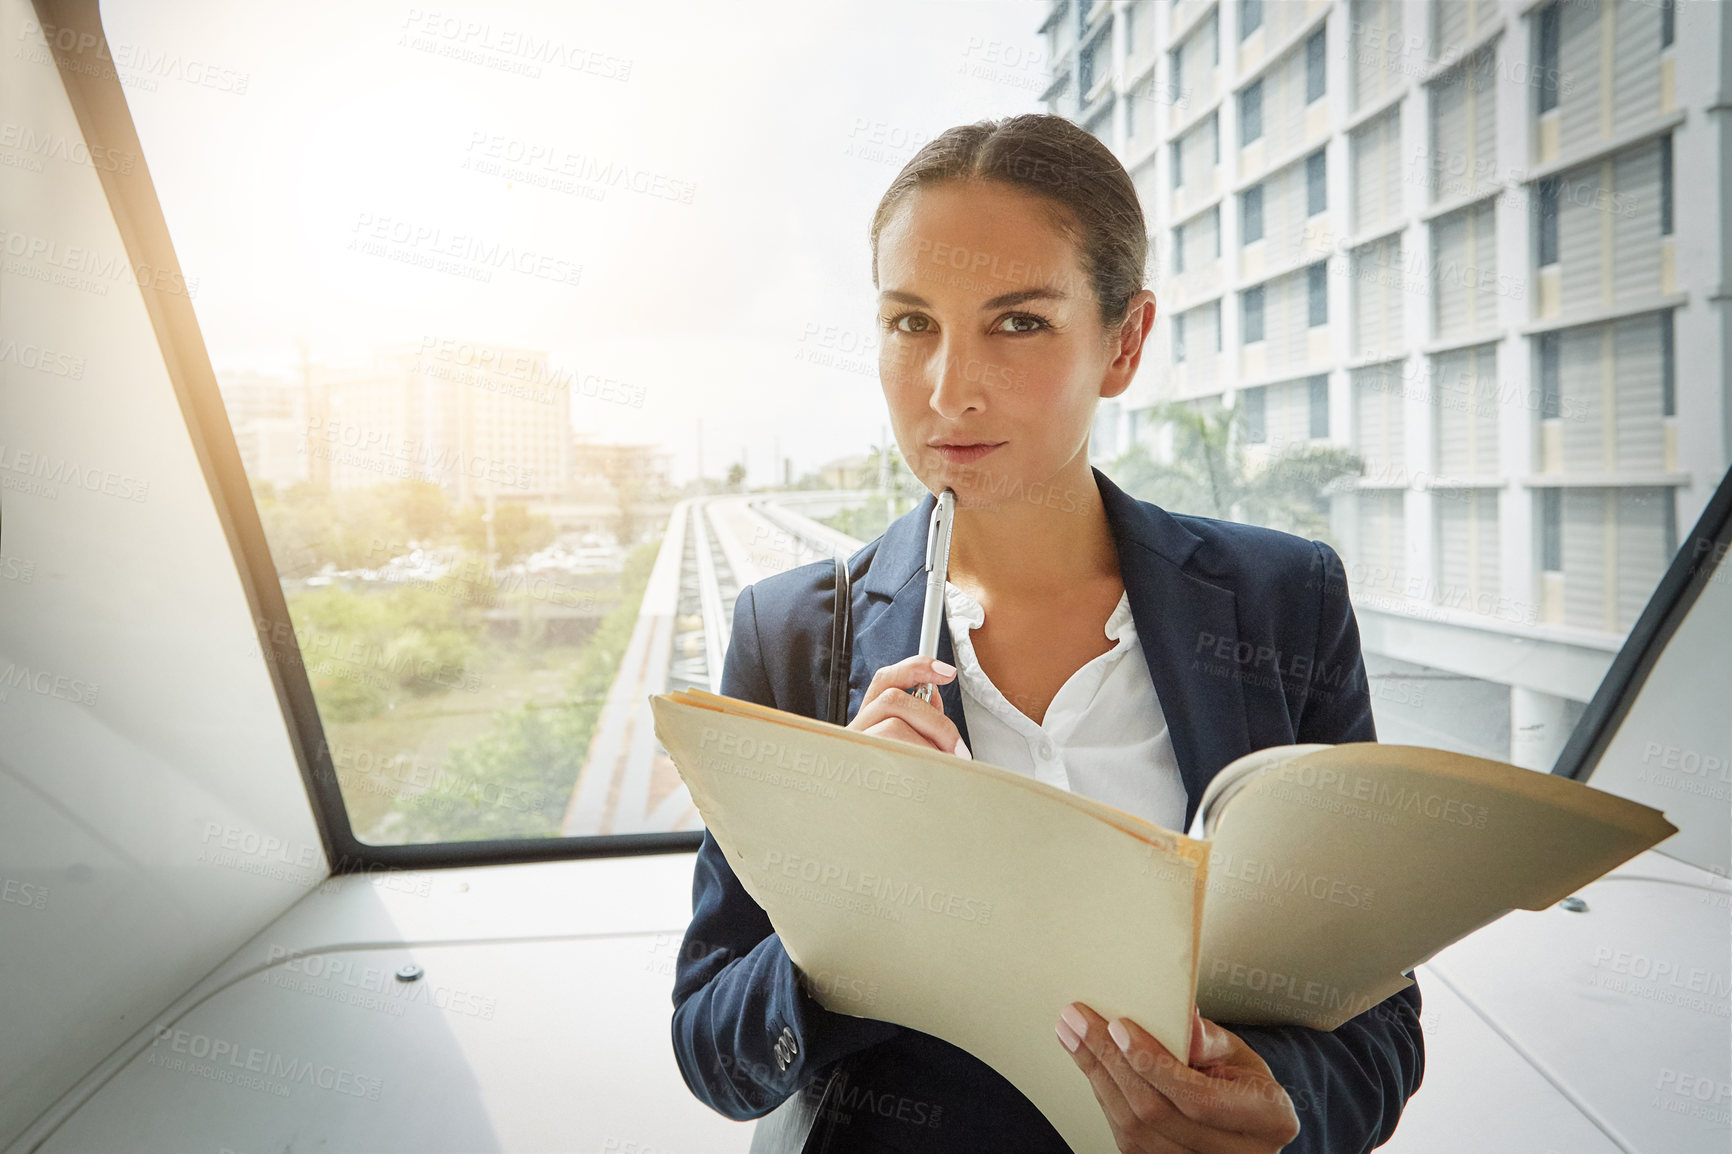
516,779
517,532
1212,474
365,650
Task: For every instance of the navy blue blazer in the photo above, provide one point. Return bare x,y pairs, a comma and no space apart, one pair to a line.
1250,642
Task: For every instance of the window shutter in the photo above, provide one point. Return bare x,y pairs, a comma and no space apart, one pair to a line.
1579,63
1636,353
1636,65
1579,245
1378,424
1635,209
1641,559
1449,143
1375,67
1579,382
1451,27
1584,533
1382,539
1449,256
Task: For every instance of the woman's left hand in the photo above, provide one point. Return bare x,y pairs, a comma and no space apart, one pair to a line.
1224,1100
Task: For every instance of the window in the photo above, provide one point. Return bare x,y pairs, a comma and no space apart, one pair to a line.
1550,406
1256,429
1319,404
1176,76
1250,17
1314,67
1666,184
1668,368
1251,301
1551,530
1251,113
1317,294
1668,18
1218,325
1316,183
1547,68
1179,338
1251,214
1216,211
1179,249
1178,165
1546,227
1085,70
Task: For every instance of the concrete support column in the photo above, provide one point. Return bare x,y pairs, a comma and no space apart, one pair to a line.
1539,725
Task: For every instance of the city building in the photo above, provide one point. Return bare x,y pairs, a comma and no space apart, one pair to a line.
1483,244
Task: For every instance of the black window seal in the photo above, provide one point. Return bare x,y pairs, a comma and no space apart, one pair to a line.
1699,557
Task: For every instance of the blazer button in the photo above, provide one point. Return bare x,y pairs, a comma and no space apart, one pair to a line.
786,1048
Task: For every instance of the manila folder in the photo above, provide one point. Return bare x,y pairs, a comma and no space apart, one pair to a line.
978,901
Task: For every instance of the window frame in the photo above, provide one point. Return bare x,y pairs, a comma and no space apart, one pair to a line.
104,121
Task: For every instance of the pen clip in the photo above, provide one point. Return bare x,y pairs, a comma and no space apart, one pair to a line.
932,538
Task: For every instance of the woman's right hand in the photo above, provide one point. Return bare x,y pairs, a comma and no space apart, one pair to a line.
886,711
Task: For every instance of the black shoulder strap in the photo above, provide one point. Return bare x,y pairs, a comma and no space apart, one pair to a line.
841,643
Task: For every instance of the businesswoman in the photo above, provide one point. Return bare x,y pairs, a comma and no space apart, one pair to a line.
1090,641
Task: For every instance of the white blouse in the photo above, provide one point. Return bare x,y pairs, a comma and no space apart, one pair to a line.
1103,736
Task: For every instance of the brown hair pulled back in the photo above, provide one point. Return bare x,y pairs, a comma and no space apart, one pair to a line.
1093,200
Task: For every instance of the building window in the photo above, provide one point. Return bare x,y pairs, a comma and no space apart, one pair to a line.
1668,27
1179,338
1546,227
1547,67
1666,185
1179,249
1218,326
1217,211
1319,388
1085,71
1550,405
1251,113
1668,367
1252,320
1251,214
1552,530
1250,17
1314,67
1256,429
1317,293
1178,166
1316,183
1176,77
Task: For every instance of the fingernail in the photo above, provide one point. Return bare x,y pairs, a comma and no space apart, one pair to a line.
1120,1035
1079,1025
943,667
1068,1037
961,750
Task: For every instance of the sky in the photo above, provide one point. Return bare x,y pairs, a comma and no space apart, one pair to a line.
673,197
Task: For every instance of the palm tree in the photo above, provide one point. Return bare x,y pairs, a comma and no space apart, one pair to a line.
1210,473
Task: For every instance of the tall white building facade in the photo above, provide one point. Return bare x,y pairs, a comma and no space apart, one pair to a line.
1485,244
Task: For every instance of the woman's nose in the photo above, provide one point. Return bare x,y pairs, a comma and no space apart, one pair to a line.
956,384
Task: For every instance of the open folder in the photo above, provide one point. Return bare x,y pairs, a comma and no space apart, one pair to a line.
973,903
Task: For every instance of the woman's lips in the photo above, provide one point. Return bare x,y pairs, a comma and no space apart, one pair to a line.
964,454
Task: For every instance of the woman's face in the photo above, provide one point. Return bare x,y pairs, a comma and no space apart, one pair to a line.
992,353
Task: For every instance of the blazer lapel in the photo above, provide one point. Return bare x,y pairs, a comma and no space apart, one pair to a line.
1181,619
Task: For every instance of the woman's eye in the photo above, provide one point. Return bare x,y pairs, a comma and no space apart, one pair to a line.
1023,323
895,322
